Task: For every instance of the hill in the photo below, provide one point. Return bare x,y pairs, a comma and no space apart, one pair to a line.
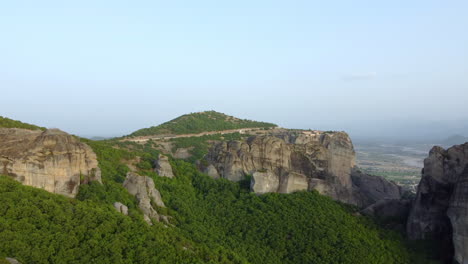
10,123
200,122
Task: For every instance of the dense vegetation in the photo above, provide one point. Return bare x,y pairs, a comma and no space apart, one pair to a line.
39,227
10,123
213,221
201,122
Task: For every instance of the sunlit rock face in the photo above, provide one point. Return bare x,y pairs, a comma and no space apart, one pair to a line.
288,162
52,160
440,209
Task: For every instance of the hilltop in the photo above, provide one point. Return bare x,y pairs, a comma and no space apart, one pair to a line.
200,122
10,123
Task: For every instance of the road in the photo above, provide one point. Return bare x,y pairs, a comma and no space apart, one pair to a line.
162,137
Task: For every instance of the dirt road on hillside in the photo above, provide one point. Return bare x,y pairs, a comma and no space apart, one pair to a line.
160,137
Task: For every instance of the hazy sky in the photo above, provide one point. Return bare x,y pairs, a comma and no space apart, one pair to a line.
111,67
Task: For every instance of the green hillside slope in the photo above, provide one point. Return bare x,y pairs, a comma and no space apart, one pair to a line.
10,123
200,122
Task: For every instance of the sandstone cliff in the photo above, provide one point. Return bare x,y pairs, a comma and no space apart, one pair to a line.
288,162
52,160
440,209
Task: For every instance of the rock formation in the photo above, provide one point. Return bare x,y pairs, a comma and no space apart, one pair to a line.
121,208
52,160
148,197
288,162
440,209
12,261
163,167
370,189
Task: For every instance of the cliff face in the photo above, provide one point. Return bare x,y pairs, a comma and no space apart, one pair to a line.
288,162
52,160
440,210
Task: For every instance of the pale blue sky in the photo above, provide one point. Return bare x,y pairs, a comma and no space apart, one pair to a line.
111,67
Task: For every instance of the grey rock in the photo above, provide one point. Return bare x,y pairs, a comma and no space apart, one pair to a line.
121,208
163,167
211,171
264,182
441,203
389,208
142,187
370,189
52,160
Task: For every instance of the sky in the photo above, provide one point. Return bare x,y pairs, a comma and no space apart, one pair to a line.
107,68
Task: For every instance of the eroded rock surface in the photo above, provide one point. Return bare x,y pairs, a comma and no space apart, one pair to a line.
149,198
52,160
163,167
288,162
370,189
440,209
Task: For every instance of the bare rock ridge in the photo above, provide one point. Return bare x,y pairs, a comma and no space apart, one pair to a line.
294,161
163,167
440,209
52,160
148,197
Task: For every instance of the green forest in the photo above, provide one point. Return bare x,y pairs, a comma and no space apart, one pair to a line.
200,122
212,221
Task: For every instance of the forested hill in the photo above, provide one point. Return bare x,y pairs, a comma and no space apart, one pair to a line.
10,123
200,122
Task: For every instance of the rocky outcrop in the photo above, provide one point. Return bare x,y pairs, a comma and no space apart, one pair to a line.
211,171
52,160
370,189
288,162
163,167
12,261
440,209
148,197
121,208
